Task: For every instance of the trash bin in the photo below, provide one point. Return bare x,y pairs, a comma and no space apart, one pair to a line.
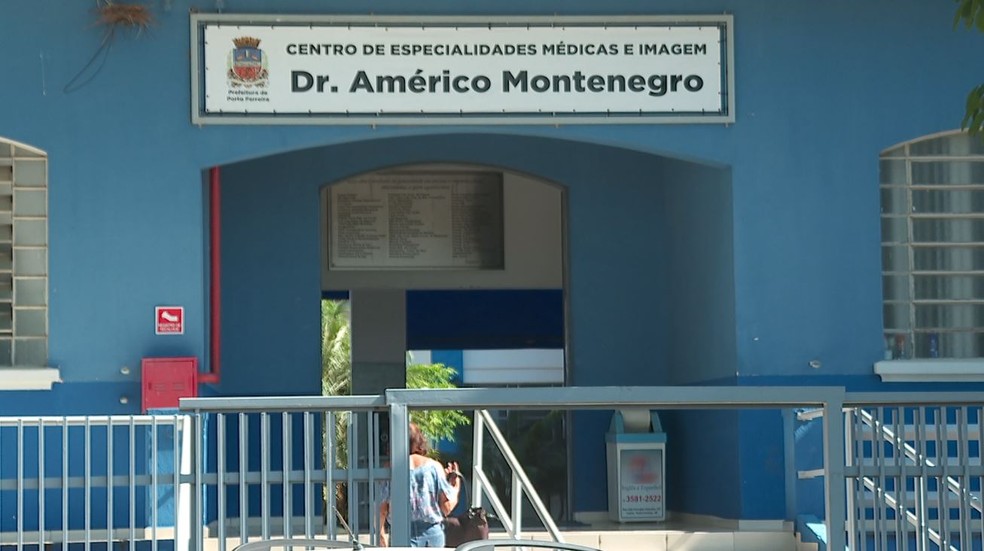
636,447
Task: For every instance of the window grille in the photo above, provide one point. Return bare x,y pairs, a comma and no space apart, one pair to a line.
23,256
932,226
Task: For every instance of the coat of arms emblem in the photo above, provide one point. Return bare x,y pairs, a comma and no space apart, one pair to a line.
247,64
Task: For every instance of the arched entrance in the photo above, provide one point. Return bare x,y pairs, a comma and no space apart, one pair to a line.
645,257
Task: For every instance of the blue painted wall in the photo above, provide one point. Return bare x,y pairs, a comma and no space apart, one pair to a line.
702,462
821,89
701,293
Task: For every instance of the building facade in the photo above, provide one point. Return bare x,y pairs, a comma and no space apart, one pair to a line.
777,211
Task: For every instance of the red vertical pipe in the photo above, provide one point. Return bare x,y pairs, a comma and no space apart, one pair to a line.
215,295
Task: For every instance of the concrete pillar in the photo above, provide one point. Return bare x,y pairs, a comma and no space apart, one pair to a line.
379,340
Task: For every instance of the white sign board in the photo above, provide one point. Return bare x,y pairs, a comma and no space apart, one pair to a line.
443,71
417,220
641,484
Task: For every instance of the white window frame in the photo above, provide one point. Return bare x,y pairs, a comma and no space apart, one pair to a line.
32,245
899,215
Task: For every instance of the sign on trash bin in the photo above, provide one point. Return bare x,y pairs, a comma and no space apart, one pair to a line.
636,470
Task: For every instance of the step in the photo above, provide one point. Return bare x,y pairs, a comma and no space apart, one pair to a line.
674,540
690,533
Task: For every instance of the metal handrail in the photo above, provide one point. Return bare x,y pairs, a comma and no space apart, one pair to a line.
72,443
887,498
520,482
298,470
909,462
952,484
911,518
215,466
829,398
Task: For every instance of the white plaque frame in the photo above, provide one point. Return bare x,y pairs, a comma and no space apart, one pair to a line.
722,113
445,220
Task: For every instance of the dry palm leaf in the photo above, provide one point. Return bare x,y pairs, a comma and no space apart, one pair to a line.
112,14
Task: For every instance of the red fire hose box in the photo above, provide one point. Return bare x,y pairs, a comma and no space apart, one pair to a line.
166,380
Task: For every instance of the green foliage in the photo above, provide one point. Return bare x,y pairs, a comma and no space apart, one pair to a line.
336,378
970,14
336,367
973,120
436,424
336,349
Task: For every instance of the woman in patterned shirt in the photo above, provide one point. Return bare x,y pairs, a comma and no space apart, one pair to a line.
433,495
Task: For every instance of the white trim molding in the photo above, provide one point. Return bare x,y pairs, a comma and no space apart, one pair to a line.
936,370
28,378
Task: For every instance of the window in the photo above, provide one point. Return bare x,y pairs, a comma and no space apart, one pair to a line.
23,256
932,225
